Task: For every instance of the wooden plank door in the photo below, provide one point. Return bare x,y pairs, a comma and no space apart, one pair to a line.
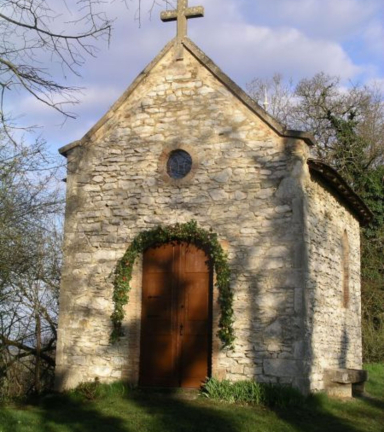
176,318
195,316
158,348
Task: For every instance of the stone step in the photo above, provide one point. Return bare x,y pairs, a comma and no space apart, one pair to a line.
345,383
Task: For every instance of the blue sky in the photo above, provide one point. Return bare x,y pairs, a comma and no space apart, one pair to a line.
246,38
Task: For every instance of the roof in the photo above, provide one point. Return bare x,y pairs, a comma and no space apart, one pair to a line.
218,73
340,186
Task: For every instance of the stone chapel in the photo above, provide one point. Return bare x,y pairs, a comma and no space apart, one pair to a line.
185,143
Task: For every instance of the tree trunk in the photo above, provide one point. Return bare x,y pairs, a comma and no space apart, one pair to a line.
38,352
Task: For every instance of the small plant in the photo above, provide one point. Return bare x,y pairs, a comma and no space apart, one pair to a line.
251,392
95,390
89,390
282,396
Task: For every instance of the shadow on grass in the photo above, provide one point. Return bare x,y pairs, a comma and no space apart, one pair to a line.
321,413
377,403
170,414
55,413
137,412
150,411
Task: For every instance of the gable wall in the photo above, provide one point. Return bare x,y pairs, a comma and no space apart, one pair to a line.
333,328
246,186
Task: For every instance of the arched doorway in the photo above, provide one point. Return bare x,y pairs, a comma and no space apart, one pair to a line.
176,321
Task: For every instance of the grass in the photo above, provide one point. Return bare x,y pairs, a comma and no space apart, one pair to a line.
253,393
376,381
117,409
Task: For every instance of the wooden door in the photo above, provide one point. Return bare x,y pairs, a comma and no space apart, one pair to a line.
176,319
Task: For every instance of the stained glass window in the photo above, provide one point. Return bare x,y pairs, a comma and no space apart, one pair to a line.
179,164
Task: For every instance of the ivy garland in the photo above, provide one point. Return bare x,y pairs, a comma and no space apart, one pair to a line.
190,233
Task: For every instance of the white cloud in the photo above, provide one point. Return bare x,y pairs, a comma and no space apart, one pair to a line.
246,38
89,100
246,51
333,19
374,38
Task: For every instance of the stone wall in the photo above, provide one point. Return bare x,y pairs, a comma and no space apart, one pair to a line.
246,185
333,284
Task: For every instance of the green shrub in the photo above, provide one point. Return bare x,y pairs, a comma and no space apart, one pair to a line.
251,392
373,341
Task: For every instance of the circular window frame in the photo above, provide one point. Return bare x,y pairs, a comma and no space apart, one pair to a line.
163,163
179,164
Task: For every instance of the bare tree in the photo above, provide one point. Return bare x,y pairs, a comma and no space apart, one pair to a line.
41,42
34,35
30,208
312,103
277,93
41,36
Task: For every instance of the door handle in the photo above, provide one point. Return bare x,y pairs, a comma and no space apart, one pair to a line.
181,329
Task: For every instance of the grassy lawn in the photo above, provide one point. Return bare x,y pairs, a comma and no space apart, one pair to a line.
134,411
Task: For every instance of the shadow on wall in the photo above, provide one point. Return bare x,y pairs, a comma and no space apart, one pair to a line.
337,316
268,276
272,270
149,411
344,346
273,338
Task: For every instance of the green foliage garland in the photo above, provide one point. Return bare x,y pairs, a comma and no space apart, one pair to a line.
190,233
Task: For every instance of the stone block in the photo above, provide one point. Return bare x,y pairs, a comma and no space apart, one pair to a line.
274,330
344,383
239,196
281,368
237,369
218,194
104,255
345,376
339,391
223,176
273,263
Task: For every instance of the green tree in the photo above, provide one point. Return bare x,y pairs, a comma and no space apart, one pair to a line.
352,159
348,124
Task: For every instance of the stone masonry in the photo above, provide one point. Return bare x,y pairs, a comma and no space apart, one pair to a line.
334,330
283,230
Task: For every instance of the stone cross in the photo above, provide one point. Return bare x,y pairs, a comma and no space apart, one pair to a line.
181,15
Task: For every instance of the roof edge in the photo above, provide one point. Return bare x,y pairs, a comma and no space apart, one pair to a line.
244,97
339,185
65,149
218,73
142,75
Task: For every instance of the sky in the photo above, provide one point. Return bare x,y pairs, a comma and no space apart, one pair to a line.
247,39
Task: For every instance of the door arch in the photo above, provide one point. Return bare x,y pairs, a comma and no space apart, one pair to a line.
176,320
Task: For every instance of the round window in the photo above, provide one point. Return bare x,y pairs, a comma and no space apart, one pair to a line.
179,164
